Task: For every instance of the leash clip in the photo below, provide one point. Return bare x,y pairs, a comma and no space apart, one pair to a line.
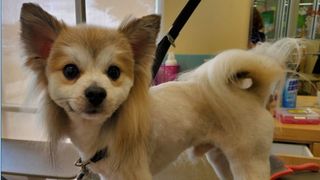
79,163
84,171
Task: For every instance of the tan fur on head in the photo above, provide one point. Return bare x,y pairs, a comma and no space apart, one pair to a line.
134,124
51,45
38,31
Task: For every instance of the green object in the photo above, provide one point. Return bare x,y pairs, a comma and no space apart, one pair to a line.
301,21
268,22
268,17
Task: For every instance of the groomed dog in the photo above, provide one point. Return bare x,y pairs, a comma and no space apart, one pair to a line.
96,84
93,77
219,109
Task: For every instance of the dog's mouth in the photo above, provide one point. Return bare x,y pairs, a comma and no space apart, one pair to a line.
88,110
92,111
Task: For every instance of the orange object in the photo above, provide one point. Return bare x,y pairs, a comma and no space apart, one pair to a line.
290,169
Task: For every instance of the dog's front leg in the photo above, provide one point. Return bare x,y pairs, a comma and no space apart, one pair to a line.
139,173
133,174
132,168
128,174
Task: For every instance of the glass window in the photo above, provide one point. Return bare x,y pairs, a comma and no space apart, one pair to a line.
110,13
268,10
15,78
306,14
317,23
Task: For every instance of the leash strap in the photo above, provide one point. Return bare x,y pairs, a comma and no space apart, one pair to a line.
164,44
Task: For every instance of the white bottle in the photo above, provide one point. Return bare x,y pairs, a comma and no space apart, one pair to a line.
171,60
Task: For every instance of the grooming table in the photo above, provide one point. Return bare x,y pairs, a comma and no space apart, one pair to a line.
32,159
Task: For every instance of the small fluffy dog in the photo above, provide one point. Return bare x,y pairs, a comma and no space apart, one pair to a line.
96,84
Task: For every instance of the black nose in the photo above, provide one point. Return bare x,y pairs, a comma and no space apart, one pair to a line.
95,95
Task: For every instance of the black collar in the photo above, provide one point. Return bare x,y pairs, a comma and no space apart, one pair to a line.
103,153
99,155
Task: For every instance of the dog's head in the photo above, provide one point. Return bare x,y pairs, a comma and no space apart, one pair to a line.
88,71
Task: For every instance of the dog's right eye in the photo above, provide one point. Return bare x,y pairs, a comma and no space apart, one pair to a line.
70,71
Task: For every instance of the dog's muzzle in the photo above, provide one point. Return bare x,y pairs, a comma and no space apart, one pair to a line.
95,95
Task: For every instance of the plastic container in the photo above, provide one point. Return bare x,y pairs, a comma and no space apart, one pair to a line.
290,91
291,149
297,116
168,71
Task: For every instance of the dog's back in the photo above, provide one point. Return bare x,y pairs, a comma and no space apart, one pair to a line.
232,72
220,109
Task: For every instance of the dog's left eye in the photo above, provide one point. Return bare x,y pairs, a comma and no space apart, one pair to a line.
71,71
113,72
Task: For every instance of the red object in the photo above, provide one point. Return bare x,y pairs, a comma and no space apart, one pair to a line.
166,73
290,169
298,116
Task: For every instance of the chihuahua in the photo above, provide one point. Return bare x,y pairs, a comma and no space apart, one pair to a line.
97,93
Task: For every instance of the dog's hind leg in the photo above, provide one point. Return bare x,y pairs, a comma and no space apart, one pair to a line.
250,167
249,160
248,149
219,163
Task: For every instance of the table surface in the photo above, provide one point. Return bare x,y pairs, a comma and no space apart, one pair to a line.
298,132
31,158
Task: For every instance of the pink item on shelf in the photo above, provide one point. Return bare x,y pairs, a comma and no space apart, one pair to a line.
298,116
166,73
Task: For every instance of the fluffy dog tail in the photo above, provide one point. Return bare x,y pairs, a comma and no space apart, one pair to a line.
254,73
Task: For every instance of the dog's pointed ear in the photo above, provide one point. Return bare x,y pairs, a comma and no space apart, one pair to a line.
142,34
39,29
